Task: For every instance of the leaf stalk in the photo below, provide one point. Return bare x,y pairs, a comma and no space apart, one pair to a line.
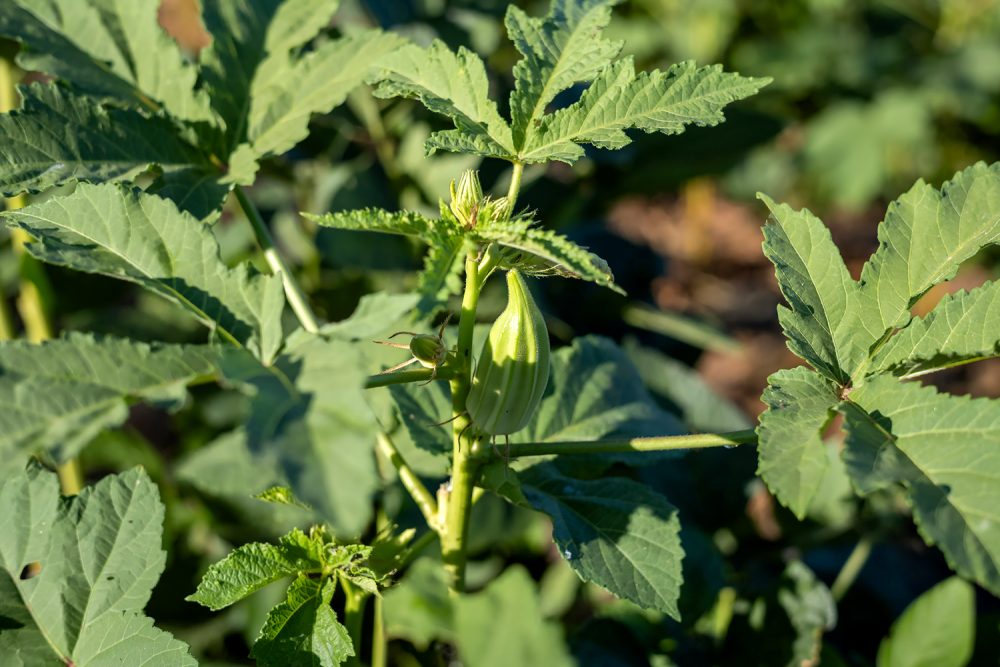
293,292
483,450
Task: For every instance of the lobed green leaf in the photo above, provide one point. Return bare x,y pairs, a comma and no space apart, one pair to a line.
58,136
250,567
791,453
654,101
936,630
452,84
821,323
309,420
963,327
59,395
561,49
946,451
614,532
124,233
303,629
98,556
926,234
113,49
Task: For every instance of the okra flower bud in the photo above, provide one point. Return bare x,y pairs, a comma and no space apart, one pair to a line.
513,367
466,197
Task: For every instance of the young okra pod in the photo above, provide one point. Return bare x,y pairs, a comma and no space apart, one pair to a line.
513,367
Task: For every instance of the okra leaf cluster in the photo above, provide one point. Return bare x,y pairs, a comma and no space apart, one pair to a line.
561,50
865,348
126,98
302,628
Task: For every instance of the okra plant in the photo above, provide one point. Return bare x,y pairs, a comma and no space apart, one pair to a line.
129,151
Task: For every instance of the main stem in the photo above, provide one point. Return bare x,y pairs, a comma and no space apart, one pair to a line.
296,297
464,466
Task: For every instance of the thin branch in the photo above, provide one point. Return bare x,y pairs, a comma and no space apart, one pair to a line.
411,482
296,297
851,569
515,185
613,446
403,377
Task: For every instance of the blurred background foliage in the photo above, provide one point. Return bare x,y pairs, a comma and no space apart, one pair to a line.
868,96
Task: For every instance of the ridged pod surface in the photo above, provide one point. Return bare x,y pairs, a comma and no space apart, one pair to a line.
513,367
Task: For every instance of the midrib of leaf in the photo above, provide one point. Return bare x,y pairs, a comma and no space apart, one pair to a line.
159,281
41,628
84,620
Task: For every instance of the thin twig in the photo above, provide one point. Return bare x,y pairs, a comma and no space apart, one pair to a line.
411,482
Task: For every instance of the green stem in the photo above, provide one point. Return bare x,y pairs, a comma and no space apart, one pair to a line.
71,480
515,184
362,103
7,329
296,298
402,377
464,467
380,644
354,616
852,568
483,450
411,482
417,546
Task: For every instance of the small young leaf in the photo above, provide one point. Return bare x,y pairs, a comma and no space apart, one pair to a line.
303,629
811,610
793,458
124,233
250,567
445,246
99,555
936,630
820,325
405,223
453,84
542,252
946,451
614,532
560,50
60,394
280,495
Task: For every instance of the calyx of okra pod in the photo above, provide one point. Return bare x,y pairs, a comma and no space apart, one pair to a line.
513,366
469,206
